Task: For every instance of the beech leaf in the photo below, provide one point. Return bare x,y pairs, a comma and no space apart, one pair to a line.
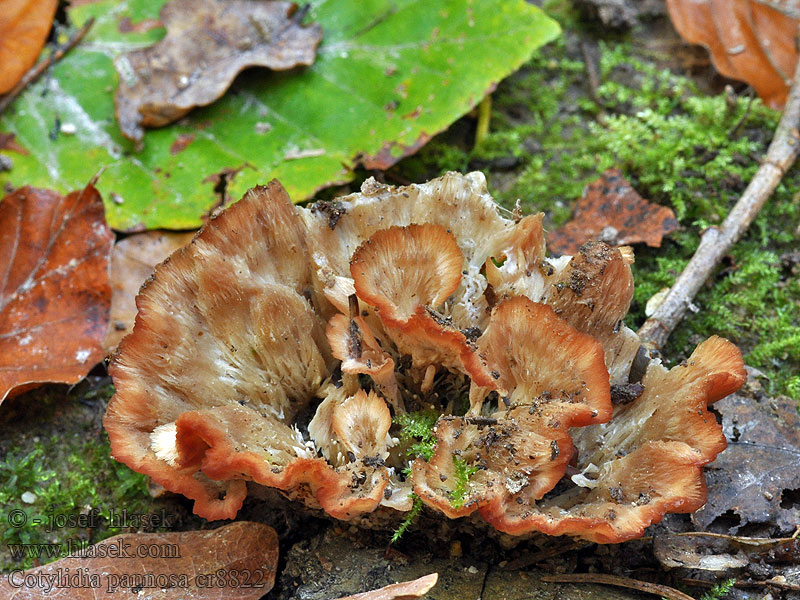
24,25
206,46
388,75
611,211
234,562
132,262
54,288
749,40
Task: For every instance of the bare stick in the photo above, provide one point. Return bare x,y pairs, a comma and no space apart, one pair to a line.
36,71
634,584
717,241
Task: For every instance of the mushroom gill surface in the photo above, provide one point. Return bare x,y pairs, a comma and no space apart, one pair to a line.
286,346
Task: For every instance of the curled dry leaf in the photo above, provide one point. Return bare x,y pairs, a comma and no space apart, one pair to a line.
234,562
206,46
24,25
54,288
132,262
611,211
276,346
750,40
399,591
757,478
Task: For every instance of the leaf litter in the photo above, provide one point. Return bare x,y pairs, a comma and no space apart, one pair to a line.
611,211
24,25
206,46
749,40
235,562
54,288
132,262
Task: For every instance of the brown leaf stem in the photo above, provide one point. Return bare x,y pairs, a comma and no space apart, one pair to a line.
717,241
38,69
633,584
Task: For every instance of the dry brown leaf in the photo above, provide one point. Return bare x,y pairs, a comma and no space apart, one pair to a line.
757,478
54,288
235,562
399,591
206,46
749,40
611,211
132,262
24,25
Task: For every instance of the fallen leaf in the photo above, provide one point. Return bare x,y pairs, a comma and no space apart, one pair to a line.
54,289
399,591
749,40
234,562
611,211
24,25
377,61
7,142
758,476
132,262
206,46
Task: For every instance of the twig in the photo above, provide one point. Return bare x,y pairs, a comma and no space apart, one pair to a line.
633,584
743,118
716,242
36,71
592,77
484,116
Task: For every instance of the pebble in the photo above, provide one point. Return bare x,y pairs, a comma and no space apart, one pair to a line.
28,497
68,128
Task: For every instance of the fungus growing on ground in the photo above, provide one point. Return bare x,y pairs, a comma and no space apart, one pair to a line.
285,348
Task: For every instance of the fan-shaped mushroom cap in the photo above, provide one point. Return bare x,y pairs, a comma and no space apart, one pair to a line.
552,378
230,374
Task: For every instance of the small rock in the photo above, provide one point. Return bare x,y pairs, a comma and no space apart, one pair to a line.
6,164
28,497
68,128
472,569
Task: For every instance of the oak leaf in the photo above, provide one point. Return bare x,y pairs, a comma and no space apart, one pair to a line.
611,211
54,288
758,475
234,562
206,46
749,40
24,25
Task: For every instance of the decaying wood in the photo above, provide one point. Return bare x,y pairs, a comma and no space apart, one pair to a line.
717,241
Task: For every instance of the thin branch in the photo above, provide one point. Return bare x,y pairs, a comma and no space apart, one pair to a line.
634,584
38,69
717,241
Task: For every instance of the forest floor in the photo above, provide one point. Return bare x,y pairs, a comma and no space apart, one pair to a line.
637,100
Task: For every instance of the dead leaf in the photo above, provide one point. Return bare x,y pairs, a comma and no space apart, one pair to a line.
24,25
611,211
54,288
758,476
132,262
749,40
234,562
399,591
206,46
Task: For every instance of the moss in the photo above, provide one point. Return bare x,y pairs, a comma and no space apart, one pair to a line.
63,459
464,472
678,147
416,432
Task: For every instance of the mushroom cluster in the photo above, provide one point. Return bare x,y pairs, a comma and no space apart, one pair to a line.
290,346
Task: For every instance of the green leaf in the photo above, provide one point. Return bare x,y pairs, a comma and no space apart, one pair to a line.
389,74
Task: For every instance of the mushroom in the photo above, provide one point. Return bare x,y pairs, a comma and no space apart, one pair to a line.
278,345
